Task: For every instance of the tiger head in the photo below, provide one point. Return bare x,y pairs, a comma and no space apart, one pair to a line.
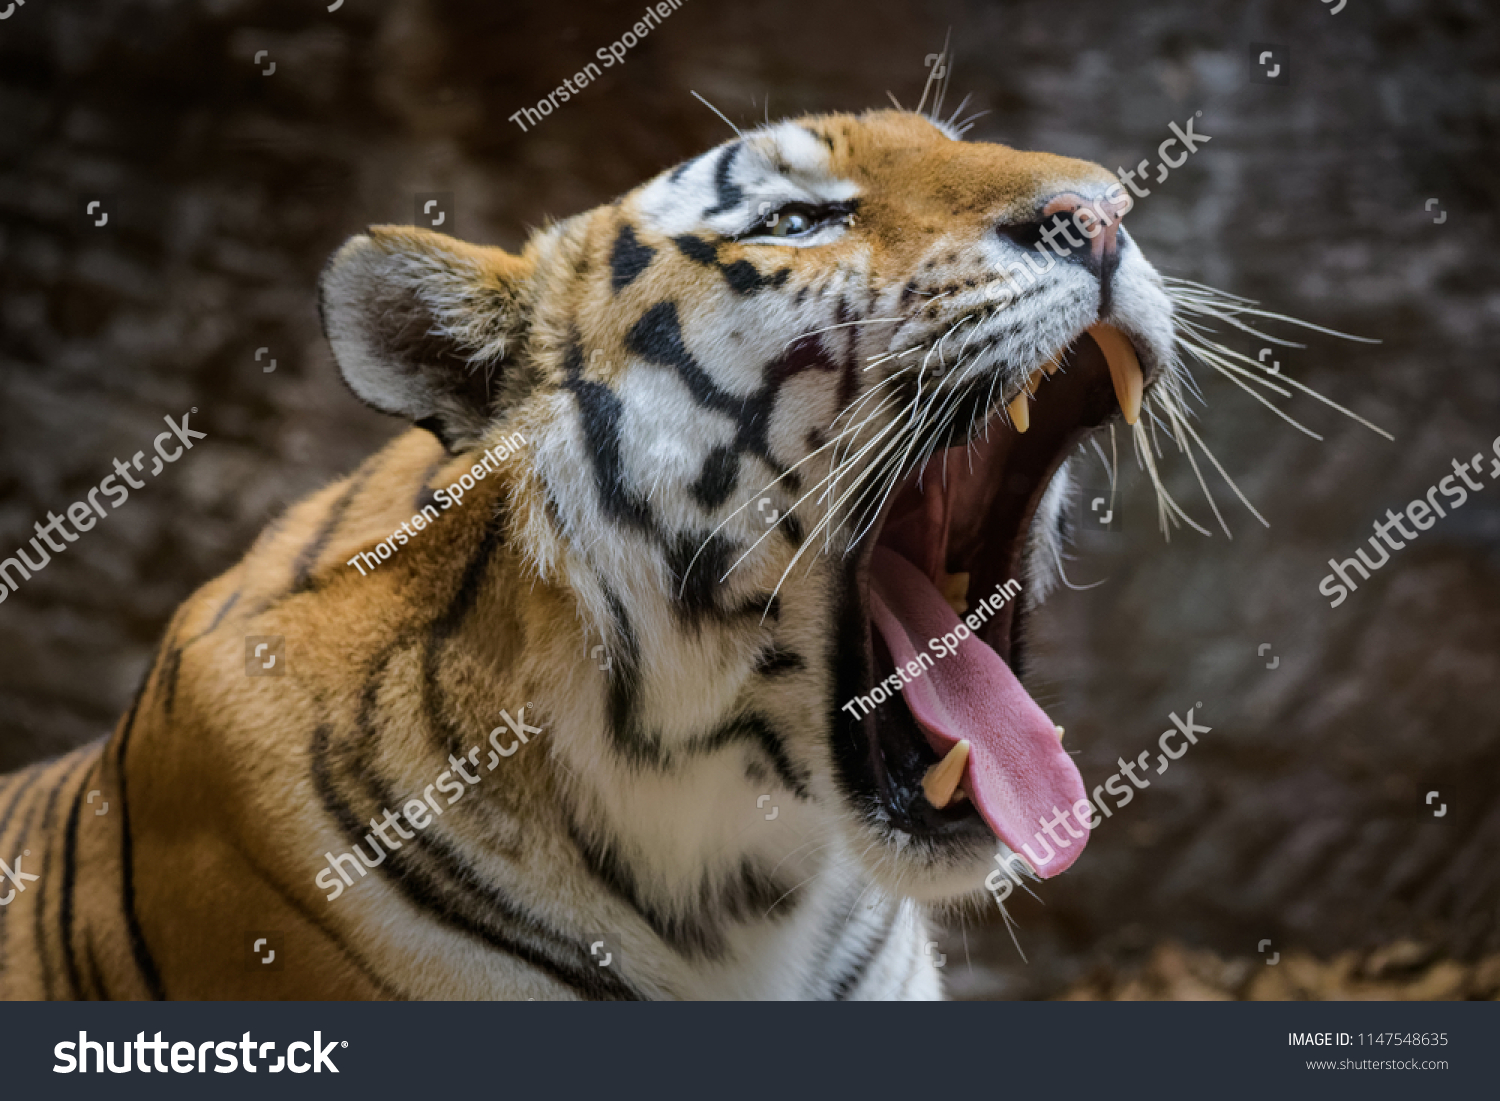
799,412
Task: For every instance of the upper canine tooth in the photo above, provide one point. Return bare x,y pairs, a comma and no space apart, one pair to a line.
1059,732
1020,407
1053,365
1124,368
1020,411
942,778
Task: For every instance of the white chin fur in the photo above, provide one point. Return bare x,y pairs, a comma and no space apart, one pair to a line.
959,874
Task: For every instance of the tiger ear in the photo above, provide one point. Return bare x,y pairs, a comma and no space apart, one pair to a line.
422,324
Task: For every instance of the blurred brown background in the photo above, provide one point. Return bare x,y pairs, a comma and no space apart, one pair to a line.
1299,818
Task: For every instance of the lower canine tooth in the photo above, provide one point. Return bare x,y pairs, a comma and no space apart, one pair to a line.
942,779
955,588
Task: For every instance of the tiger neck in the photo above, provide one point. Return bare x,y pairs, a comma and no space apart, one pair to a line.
689,719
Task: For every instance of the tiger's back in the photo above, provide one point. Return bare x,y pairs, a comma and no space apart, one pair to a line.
164,847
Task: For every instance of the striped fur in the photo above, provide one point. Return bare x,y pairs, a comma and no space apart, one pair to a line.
695,800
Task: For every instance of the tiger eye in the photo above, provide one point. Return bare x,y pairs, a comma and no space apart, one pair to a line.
791,225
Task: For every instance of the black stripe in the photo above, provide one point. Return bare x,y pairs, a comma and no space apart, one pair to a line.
442,892
32,775
729,193
172,664
138,947
99,991
599,412
430,869
223,611
86,759
761,605
308,557
847,983
425,495
721,470
683,167
839,920
849,671
295,903
696,564
824,138
748,893
774,661
635,744
756,730
466,595
628,259
657,338
744,278
65,911
697,249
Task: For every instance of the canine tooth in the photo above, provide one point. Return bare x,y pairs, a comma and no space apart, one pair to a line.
1053,365
1020,406
1059,733
942,778
1124,368
955,589
1020,411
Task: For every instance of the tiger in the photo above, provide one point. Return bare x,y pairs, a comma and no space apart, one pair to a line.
611,676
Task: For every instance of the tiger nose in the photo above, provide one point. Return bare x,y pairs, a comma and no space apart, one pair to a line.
1097,224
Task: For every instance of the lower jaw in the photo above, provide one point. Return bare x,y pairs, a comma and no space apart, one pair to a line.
888,752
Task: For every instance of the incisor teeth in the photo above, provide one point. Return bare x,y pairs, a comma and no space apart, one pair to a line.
942,778
955,590
1124,368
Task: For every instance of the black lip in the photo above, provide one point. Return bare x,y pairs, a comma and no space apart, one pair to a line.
881,758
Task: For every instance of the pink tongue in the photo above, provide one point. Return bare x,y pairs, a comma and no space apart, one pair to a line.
1018,774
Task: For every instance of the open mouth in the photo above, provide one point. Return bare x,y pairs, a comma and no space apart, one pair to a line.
957,748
